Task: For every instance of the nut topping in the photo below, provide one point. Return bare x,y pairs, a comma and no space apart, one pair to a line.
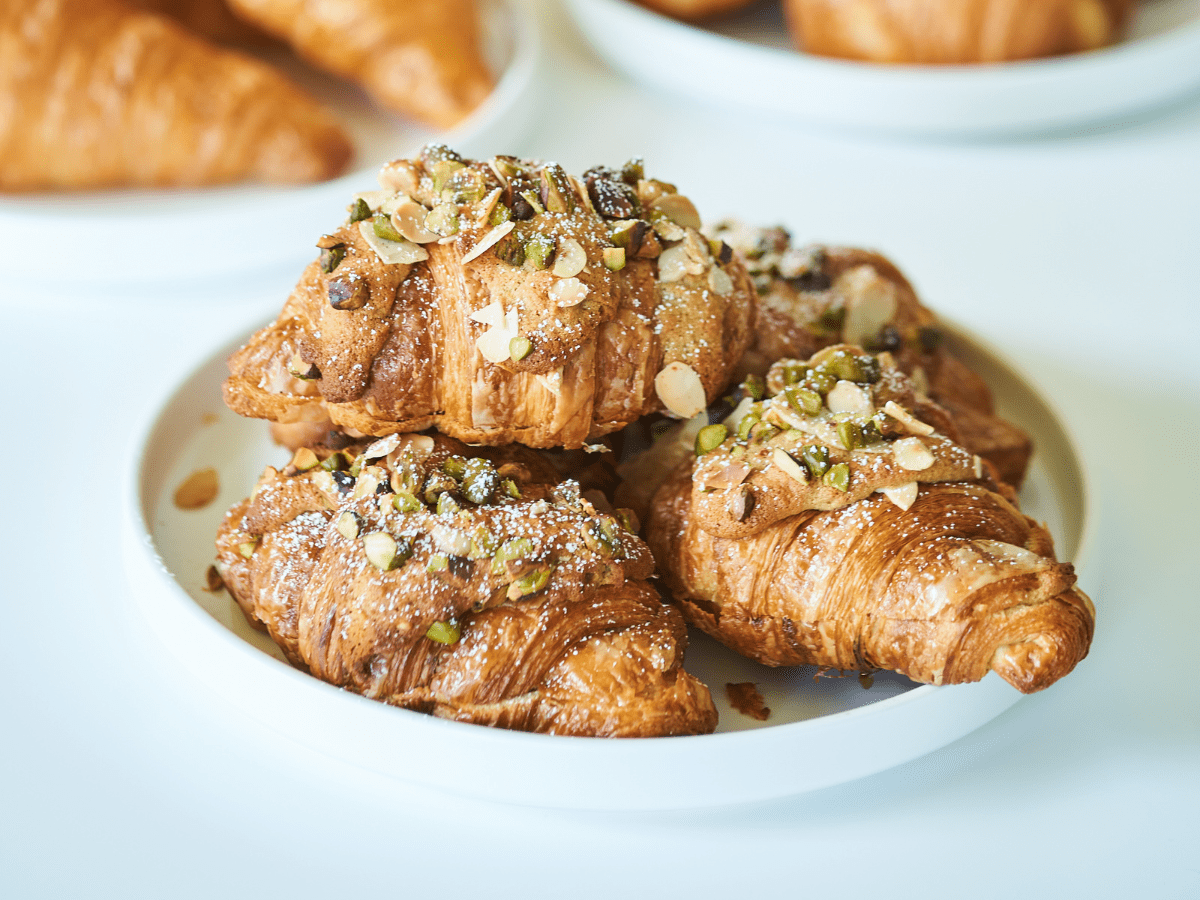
910,453
570,259
680,389
568,292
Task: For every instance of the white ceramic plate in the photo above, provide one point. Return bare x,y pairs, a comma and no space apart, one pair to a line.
841,730
174,235
746,61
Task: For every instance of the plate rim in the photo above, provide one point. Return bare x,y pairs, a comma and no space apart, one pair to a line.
181,618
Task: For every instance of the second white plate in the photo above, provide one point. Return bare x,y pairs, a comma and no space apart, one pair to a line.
746,61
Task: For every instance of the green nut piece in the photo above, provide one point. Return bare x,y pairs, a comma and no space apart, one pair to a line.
870,433
763,432
382,550
510,249
816,458
441,172
830,321
443,220
633,171
305,371
529,583
614,258
447,505
710,438
510,489
385,229
519,348
331,257
803,401
403,501
446,632
517,548
455,466
539,250
500,215
556,192
794,372
437,484
821,382
628,234
479,481
838,477
596,540
850,434
746,424
359,210
483,543
246,548
439,562
754,387
406,479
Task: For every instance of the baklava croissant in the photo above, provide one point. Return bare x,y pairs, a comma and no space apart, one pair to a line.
503,301
94,94
815,296
465,584
792,541
954,31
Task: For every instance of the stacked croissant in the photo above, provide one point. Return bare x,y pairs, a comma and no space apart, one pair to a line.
477,334
105,93
936,31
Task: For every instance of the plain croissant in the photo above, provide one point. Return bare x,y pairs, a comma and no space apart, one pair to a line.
93,94
467,584
419,57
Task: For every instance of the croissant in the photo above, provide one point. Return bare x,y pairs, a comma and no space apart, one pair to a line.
212,20
419,57
503,301
833,533
93,94
691,10
466,584
815,296
953,31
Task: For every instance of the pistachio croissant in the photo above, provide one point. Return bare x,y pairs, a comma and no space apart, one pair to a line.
93,94
466,584
815,296
954,31
418,57
842,529
503,301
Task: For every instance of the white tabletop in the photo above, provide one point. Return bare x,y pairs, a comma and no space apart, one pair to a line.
125,776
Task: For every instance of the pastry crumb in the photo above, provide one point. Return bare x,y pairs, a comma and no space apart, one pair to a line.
746,699
198,490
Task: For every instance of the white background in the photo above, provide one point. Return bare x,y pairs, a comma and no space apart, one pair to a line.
123,776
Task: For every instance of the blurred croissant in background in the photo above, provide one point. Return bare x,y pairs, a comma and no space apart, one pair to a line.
954,31
96,94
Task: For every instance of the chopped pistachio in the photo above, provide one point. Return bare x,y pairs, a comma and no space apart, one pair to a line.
443,220
331,257
447,632
596,540
483,543
628,234
803,401
763,432
519,347
838,477
721,251
539,250
529,583
614,258
455,466
479,480
532,206
830,321
246,548
447,505
510,489
439,562
754,387
406,479
349,292
436,484
821,382
499,215
510,249
870,433
816,457
403,501
385,229
304,459
517,548
850,434
556,193
633,171
747,422
794,372
359,210
710,437
441,172
348,525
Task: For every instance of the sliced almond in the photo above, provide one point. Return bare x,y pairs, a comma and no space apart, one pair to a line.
910,453
418,443
373,199
870,303
681,390
789,466
902,495
488,241
977,466
391,252
407,219
399,175
911,423
719,281
569,258
673,263
486,206
679,209
494,344
728,476
846,396
382,447
584,195
492,314
568,292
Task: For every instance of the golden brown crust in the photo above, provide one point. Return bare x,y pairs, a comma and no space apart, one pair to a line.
527,609
212,20
958,585
420,57
963,31
427,341
97,95
692,10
